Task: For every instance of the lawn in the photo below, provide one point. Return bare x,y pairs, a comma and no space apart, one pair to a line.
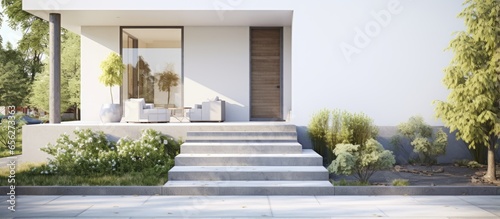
26,177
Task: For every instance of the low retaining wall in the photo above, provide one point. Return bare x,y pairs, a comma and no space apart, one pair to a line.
37,136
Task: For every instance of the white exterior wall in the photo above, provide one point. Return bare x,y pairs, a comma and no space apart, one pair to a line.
216,63
97,43
397,68
391,67
287,73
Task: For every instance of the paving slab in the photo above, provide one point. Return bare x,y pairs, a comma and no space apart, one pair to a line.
439,200
407,207
397,210
493,208
366,200
45,211
482,200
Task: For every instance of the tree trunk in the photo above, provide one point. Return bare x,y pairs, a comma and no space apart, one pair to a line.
168,98
111,93
491,172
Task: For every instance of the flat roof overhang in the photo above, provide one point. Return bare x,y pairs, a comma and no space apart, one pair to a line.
75,14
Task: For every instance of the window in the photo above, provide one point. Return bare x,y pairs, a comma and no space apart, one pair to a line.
153,60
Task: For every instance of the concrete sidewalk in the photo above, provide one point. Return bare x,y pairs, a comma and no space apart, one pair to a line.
428,207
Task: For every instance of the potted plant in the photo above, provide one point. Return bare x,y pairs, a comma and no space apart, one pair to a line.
166,81
112,75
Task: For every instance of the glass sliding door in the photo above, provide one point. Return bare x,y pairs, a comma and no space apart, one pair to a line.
153,60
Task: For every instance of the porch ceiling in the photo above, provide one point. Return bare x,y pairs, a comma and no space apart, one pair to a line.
74,19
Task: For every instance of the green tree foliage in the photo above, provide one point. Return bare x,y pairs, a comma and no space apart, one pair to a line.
35,38
361,160
112,72
70,77
166,80
14,81
15,127
472,108
331,127
421,137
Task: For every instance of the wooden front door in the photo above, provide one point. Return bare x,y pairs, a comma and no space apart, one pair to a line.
266,68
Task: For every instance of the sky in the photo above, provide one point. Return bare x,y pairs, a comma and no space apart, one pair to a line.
8,34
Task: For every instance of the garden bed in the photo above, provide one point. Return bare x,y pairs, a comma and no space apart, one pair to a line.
436,175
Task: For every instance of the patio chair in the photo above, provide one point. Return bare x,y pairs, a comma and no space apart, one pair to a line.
209,111
137,110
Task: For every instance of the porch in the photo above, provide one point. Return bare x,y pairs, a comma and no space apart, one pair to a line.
37,136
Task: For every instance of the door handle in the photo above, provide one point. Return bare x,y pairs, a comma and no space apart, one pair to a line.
278,86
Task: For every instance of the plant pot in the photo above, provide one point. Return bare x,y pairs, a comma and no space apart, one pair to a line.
110,113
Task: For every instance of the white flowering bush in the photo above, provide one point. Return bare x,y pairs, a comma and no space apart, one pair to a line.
361,160
150,150
91,153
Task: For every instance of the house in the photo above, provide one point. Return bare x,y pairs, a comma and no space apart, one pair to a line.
280,60
270,60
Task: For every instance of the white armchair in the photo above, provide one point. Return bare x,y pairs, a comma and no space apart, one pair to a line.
137,110
210,111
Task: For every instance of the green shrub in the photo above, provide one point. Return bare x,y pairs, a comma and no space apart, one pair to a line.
400,182
91,153
426,146
361,160
461,163
14,126
331,127
318,133
474,164
344,182
467,163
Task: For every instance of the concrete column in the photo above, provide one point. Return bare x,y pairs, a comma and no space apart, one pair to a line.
55,68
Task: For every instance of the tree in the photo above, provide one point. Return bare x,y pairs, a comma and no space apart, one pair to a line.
35,38
112,72
70,68
70,77
7,125
166,80
472,108
14,83
146,80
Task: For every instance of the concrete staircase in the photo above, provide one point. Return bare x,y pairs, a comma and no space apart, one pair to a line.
239,162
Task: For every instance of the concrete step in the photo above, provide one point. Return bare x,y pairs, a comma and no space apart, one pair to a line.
241,173
307,158
242,136
323,187
241,126
241,148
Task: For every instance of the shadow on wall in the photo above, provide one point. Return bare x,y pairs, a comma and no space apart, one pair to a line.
232,109
456,149
303,137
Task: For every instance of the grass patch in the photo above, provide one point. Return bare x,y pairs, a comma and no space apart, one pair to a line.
344,182
400,182
7,153
25,177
